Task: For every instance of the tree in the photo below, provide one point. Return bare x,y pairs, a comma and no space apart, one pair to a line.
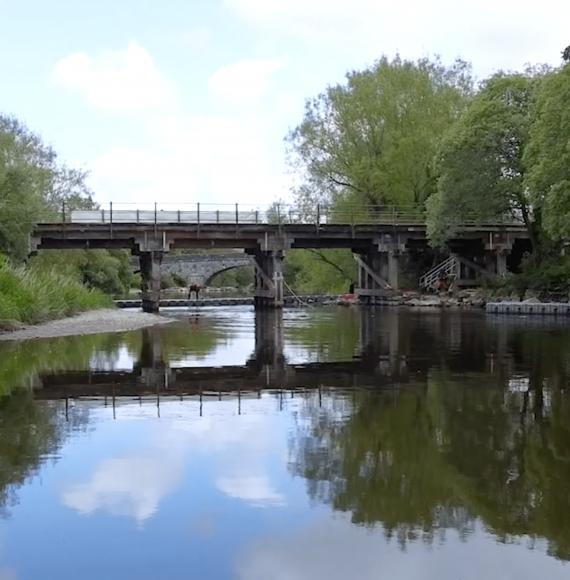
548,153
32,183
373,138
480,162
320,271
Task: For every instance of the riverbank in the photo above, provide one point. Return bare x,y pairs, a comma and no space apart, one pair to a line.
92,322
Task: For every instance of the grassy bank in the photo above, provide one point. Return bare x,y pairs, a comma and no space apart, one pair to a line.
30,295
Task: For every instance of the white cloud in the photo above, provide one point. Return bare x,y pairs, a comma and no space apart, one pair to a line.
335,549
134,485
256,490
196,39
125,486
244,82
492,34
216,159
174,156
126,80
300,17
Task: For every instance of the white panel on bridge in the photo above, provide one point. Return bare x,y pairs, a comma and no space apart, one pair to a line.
161,216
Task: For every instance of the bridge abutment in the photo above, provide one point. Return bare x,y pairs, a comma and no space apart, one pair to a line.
150,280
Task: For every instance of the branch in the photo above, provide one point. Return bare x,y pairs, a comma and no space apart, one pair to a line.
320,255
345,184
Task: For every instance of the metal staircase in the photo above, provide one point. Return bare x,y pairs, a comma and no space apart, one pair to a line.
446,269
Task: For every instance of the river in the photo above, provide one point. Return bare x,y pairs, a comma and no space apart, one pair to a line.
317,443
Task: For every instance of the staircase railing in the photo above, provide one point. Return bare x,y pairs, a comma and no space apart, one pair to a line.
446,269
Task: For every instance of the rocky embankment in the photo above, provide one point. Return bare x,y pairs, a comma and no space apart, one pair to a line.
462,299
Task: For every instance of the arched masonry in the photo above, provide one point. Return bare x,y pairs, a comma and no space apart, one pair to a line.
200,268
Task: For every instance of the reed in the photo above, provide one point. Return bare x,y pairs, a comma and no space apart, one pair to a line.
30,295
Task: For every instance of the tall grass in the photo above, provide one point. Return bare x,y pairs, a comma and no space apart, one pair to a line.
31,295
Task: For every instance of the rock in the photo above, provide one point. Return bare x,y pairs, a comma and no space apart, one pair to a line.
432,302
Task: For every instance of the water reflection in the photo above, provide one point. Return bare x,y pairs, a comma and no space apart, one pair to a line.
421,432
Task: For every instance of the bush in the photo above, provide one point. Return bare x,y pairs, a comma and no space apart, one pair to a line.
179,280
107,270
32,295
166,281
551,276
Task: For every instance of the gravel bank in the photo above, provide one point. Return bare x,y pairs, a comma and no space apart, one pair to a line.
93,322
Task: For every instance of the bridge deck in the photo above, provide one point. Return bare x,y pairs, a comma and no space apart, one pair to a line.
188,235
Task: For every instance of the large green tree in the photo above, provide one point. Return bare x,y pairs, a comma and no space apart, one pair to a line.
480,162
373,138
548,153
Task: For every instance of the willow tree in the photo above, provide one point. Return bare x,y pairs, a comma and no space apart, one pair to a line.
372,139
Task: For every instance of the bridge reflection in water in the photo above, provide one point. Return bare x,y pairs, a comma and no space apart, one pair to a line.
386,357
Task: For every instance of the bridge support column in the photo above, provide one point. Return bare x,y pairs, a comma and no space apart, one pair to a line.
150,285
151,369
268,279
269,337
374,269
394,269
501,263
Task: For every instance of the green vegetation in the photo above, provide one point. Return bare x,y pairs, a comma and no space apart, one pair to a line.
320,271
422,136
372,140
34,185
421,461
240,278
107,270
34,295
480,165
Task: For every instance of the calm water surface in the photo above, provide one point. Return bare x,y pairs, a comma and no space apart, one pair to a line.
323,443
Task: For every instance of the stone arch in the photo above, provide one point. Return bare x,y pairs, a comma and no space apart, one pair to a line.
208,280
202,268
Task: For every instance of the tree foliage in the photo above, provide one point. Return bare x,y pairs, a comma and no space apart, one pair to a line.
320,271
480,162
548,153
32,184
373,138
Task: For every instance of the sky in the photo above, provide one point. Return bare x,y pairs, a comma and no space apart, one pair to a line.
186,101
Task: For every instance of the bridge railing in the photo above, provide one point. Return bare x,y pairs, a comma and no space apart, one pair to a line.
244,214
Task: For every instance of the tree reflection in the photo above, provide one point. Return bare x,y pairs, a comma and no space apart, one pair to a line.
487,445
32,433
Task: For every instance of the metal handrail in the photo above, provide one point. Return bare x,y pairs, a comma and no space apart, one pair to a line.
447,267
278,214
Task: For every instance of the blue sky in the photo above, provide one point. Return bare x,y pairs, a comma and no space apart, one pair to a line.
186,101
